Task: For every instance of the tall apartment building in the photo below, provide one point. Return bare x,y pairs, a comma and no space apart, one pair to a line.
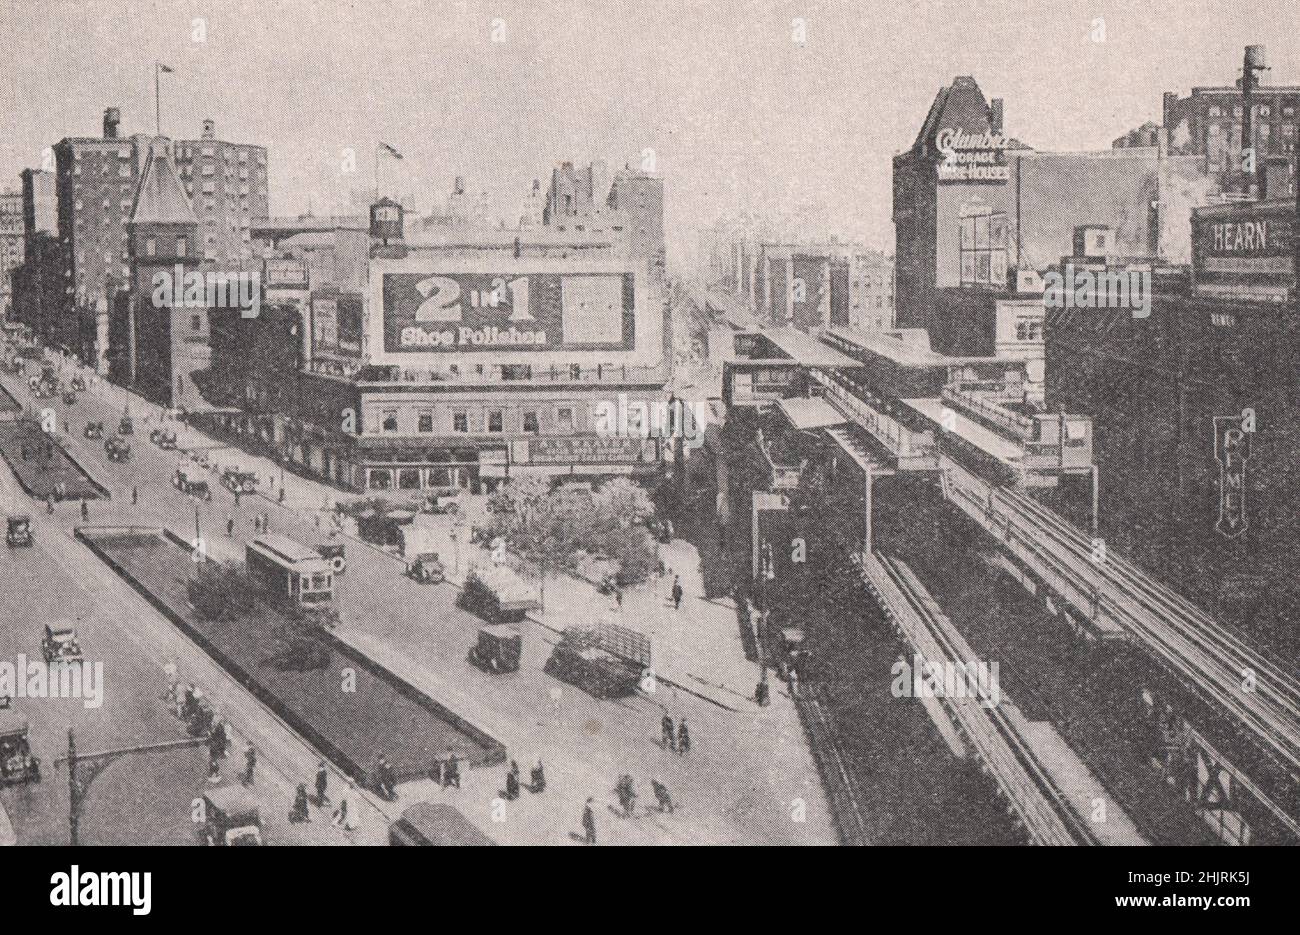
96,182
226,184
11,244
871,291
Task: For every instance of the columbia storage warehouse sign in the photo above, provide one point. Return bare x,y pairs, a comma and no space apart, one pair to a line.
507,312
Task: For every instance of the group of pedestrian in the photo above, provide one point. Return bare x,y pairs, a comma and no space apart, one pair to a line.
679,740
625,792
447,772
536,780
260,522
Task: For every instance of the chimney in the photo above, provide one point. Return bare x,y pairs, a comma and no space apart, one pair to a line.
995,114
112,117
209,129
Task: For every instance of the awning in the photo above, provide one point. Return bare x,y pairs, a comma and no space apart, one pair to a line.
812,413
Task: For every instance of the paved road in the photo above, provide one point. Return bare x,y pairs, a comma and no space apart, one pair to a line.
749,778
145,799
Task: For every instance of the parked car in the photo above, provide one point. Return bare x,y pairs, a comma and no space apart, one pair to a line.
426,568
16,761
94,429
60,644
125,426
238,481
164,439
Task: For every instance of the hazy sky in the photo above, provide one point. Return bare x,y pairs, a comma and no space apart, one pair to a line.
737,113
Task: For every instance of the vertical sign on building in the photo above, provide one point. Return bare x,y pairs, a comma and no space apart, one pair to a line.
1232,450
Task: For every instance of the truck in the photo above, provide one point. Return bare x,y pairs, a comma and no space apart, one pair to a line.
498,595
605,661
190,485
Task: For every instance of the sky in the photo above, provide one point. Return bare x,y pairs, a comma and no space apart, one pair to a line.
737,113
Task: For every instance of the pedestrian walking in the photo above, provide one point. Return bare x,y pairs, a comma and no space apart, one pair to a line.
266,521
512,782
668,736
49,504
588,823
250,763
450,770
322,779
230,527
761,691
135,495
661,796
257,523
626,792
85,510
214,768
683,739
677,592
299,812
236,499
386,779
280,495
537,780
219,740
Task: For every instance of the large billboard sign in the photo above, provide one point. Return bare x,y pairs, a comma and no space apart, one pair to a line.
458,312
1244,252
336,325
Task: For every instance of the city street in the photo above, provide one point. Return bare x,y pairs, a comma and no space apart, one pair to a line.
748,779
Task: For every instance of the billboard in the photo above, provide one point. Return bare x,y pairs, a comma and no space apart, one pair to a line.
1244,252
336,325
458,312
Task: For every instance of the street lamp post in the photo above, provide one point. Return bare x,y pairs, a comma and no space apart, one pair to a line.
85,767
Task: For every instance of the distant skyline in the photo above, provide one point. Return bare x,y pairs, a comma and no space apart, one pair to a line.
739,116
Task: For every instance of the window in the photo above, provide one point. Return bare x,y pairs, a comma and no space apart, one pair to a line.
150,247
984,250
496,420
530,423
196,322
575,372
182,245
390,420
564,418
1216,112
460,421
426,420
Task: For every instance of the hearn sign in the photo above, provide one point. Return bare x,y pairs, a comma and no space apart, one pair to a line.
457,312
971,157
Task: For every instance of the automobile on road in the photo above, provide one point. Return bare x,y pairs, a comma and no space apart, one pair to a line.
18,532
191,486
231,818
16,761
60,644
117,450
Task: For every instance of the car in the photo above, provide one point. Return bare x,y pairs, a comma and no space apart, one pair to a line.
231,818
426,568
69,398
18,531
238,481
191,486
117,450
498,649
94,429
79,384
60,644
164,439
16,761
126,426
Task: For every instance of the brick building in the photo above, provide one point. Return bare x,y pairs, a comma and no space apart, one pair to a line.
11,245
95,185
1208,123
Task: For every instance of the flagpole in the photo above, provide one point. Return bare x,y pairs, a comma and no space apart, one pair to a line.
376,172
157,101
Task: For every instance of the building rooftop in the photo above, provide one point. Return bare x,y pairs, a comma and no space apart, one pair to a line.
161,198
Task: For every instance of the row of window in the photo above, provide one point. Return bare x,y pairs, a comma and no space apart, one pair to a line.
491,420
1262,110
